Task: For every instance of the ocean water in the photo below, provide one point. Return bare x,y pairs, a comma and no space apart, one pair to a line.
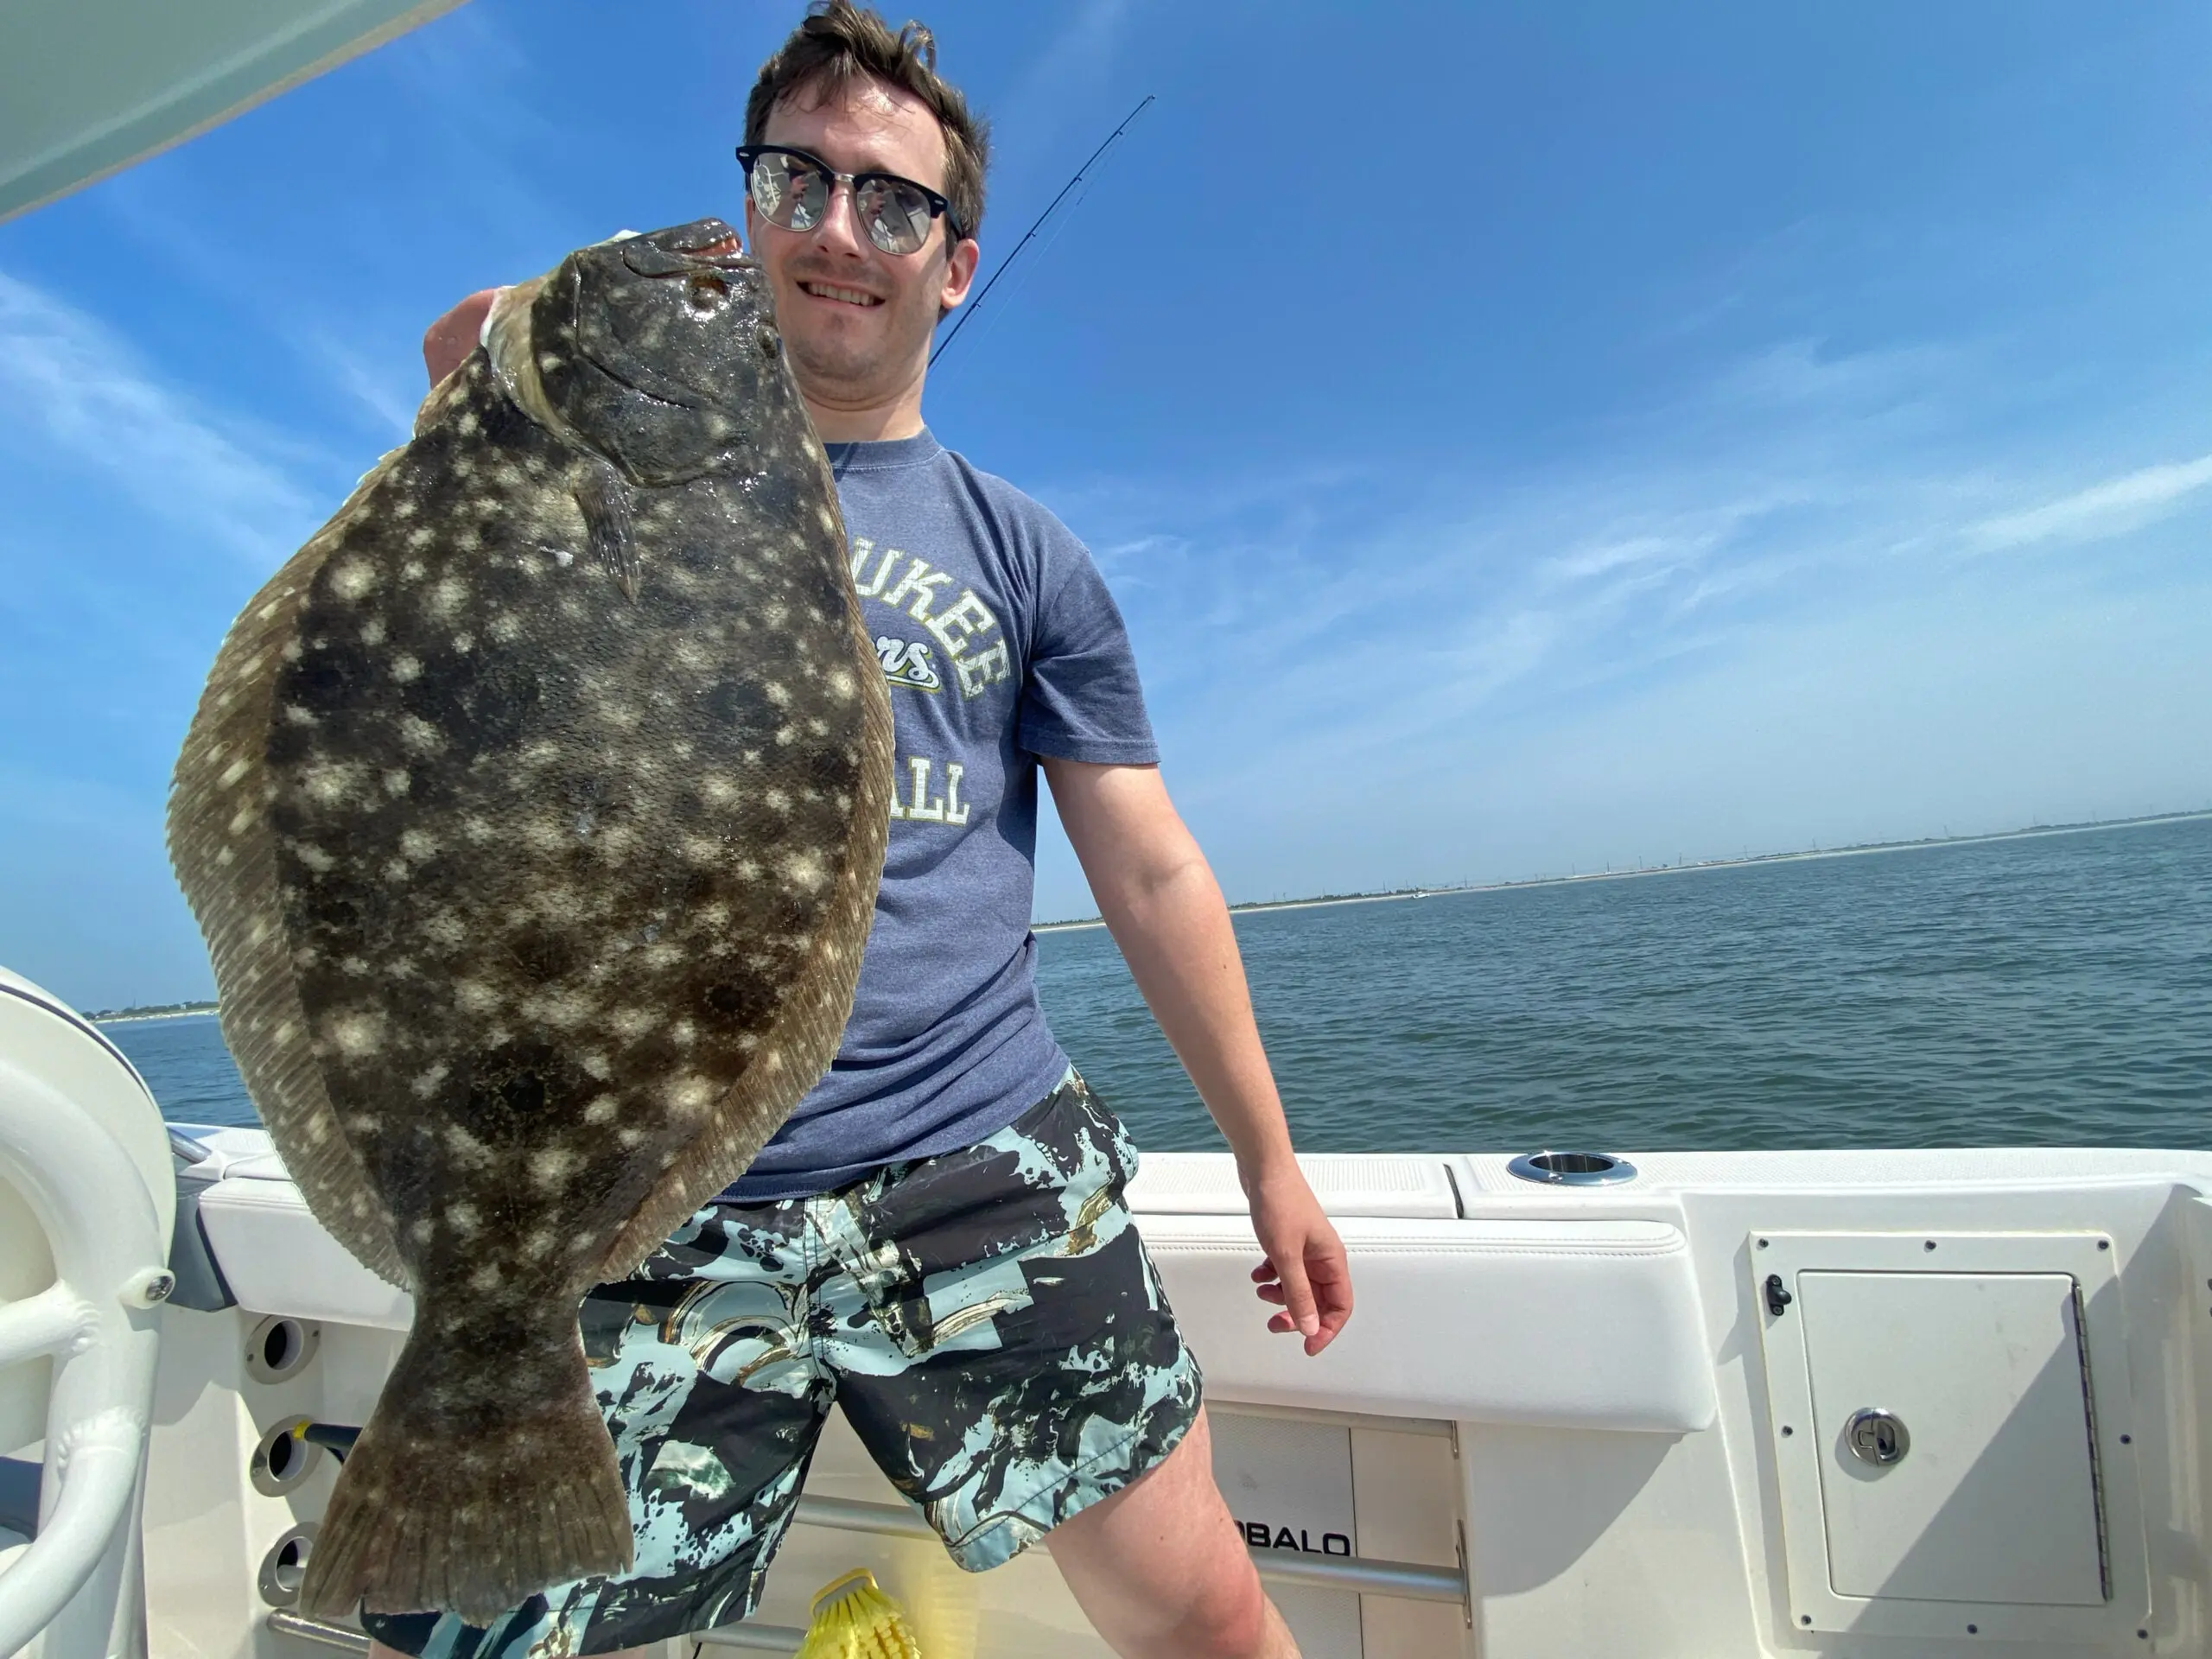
185,1063
2051,990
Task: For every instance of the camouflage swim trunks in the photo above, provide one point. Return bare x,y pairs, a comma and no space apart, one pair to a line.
988,1318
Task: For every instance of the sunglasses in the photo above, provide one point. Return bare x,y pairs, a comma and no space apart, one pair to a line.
791,189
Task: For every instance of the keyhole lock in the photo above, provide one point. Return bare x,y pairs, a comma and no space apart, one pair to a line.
1877,1437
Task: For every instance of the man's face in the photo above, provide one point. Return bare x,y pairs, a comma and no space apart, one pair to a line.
857,320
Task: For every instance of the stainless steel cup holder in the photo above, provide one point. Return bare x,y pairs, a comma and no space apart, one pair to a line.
279,1349
285,1564
283,1460
1572,1169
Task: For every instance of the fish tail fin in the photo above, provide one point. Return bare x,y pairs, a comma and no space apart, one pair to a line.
429,1516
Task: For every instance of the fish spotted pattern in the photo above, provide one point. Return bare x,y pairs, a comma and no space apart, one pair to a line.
534,813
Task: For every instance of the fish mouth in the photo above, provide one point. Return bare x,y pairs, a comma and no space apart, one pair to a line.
723,251
728,254
709,244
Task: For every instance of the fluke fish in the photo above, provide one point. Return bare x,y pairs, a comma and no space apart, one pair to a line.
534,812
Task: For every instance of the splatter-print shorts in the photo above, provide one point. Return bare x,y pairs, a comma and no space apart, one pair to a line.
988,1318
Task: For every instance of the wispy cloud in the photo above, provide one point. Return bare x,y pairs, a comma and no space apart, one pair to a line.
1633,651
1809,373
72,387
1077,58
389,393
2112,508
475,84
1666,552
1315,629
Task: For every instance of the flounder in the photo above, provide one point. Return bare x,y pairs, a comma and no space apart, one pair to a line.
534,813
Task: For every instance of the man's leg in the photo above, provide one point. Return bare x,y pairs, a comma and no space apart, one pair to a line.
703,1363
1003,1349
1159,1569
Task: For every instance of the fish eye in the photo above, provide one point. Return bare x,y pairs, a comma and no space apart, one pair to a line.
707,293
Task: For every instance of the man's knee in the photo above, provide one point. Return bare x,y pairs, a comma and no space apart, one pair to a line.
1227,1619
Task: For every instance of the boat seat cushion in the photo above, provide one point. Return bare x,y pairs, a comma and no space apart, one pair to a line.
1555,1324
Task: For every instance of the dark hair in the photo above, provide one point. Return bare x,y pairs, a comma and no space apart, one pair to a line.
841,42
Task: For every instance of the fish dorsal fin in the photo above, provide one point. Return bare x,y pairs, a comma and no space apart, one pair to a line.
225,850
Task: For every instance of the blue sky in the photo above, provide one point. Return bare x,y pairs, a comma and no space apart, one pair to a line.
1525,438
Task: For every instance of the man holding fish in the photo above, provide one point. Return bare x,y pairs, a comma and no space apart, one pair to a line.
937,1238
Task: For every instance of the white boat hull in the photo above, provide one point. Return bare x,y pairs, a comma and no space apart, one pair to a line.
1566,1419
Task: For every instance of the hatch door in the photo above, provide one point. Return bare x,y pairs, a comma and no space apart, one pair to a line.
1952,1428
1953,1437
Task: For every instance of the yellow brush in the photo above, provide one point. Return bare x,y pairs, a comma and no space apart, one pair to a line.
853,1619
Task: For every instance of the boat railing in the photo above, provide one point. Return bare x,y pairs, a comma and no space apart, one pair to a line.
1367,1576
97,1323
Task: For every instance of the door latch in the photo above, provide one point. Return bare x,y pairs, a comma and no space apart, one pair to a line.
1878,1437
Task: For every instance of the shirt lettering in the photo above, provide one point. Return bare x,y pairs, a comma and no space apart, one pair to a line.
955,628
985,668
869,587
922,582
920,806
967,617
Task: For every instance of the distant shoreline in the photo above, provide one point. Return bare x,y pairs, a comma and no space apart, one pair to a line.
132,1016
188,1010
1858,850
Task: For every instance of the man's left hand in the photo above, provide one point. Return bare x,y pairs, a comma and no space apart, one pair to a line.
1306,1274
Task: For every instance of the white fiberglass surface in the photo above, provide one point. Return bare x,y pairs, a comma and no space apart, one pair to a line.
1573,1388
92,86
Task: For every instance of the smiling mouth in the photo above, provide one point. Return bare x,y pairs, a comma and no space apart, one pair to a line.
841,296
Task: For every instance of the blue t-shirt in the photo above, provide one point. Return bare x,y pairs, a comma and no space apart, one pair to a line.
1000,644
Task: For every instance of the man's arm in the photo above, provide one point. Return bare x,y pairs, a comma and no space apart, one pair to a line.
1165,910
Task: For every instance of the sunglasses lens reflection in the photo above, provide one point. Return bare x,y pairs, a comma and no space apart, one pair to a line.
789,190
897,215
792,193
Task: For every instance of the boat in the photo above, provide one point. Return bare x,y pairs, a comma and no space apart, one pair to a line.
1727,1404
1873,1405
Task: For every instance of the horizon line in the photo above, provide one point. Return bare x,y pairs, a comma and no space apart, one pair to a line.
186,1009
1855,850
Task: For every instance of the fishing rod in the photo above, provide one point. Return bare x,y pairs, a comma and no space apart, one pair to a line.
970,311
